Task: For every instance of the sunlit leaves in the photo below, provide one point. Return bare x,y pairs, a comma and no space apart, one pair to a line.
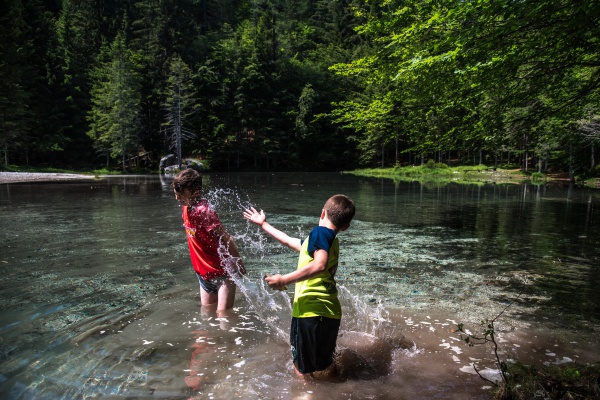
469,63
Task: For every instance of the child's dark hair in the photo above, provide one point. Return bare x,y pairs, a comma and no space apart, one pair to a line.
187,179
340,210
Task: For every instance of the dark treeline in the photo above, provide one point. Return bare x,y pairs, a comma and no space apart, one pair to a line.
300,84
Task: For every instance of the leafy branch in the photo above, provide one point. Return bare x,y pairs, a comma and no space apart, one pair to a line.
488,336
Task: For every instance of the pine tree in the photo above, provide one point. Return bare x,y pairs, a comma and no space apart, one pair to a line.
116,99
14,96
179,103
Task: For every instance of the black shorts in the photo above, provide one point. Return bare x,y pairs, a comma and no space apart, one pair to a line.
313,342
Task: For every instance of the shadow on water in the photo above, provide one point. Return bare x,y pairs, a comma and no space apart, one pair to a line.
106,304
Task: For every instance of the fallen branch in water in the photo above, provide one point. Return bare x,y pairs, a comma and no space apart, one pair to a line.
488,336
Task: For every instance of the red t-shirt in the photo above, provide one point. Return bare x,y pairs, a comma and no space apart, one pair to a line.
200,221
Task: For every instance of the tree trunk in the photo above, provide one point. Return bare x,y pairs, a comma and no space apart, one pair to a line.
178,139
571,168
396,150
178,127
526,154
123,150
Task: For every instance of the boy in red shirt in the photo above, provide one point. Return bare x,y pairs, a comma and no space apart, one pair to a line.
213,252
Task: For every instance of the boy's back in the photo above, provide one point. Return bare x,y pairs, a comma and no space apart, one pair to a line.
316,311
318,296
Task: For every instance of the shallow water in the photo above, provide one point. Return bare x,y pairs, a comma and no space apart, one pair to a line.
98,298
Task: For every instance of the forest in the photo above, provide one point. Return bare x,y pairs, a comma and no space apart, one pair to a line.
276,85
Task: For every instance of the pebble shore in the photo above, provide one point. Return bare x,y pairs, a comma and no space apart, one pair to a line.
14,177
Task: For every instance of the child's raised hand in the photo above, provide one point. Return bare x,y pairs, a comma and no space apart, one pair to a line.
254,216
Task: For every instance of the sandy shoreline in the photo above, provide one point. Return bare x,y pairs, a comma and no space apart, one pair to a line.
15,177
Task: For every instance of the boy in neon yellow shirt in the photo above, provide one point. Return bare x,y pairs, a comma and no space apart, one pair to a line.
316,310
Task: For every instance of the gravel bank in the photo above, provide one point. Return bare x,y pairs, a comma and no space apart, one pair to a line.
14,177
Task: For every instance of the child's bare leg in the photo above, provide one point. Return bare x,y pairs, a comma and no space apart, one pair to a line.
208,299
226,295
208,312
300,374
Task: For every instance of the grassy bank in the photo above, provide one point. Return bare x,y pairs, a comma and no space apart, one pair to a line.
439,172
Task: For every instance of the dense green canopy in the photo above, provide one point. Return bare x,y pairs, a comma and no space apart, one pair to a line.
301,84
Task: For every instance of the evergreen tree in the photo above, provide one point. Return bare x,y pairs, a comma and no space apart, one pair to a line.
151,39
114,117
13,97
179,104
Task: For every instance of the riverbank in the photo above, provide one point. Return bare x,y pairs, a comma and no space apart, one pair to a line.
17,177
472,175
441,173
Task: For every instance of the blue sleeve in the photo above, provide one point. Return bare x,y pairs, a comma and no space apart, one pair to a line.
320,238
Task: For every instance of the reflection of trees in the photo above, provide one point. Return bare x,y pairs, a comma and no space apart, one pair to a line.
538,237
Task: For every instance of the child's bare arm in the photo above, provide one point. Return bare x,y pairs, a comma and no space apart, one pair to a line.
232,249
260,219
310,270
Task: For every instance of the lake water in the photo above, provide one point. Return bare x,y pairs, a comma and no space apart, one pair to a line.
98,299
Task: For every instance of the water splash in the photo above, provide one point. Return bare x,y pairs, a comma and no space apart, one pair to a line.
272,307
361,316
368,338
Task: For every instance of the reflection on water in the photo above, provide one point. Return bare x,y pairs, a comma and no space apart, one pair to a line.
98,298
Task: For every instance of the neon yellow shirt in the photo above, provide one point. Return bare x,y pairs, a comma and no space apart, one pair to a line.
317,297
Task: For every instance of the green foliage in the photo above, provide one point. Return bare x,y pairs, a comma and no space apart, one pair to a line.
443,174
538,177
304,84
305,107
466,84
15,92
179,104
430,164
567,381
114,116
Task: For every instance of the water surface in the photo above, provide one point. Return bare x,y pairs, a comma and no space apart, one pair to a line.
98,298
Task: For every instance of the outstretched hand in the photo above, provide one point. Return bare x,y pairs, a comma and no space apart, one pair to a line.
254,216
275,282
